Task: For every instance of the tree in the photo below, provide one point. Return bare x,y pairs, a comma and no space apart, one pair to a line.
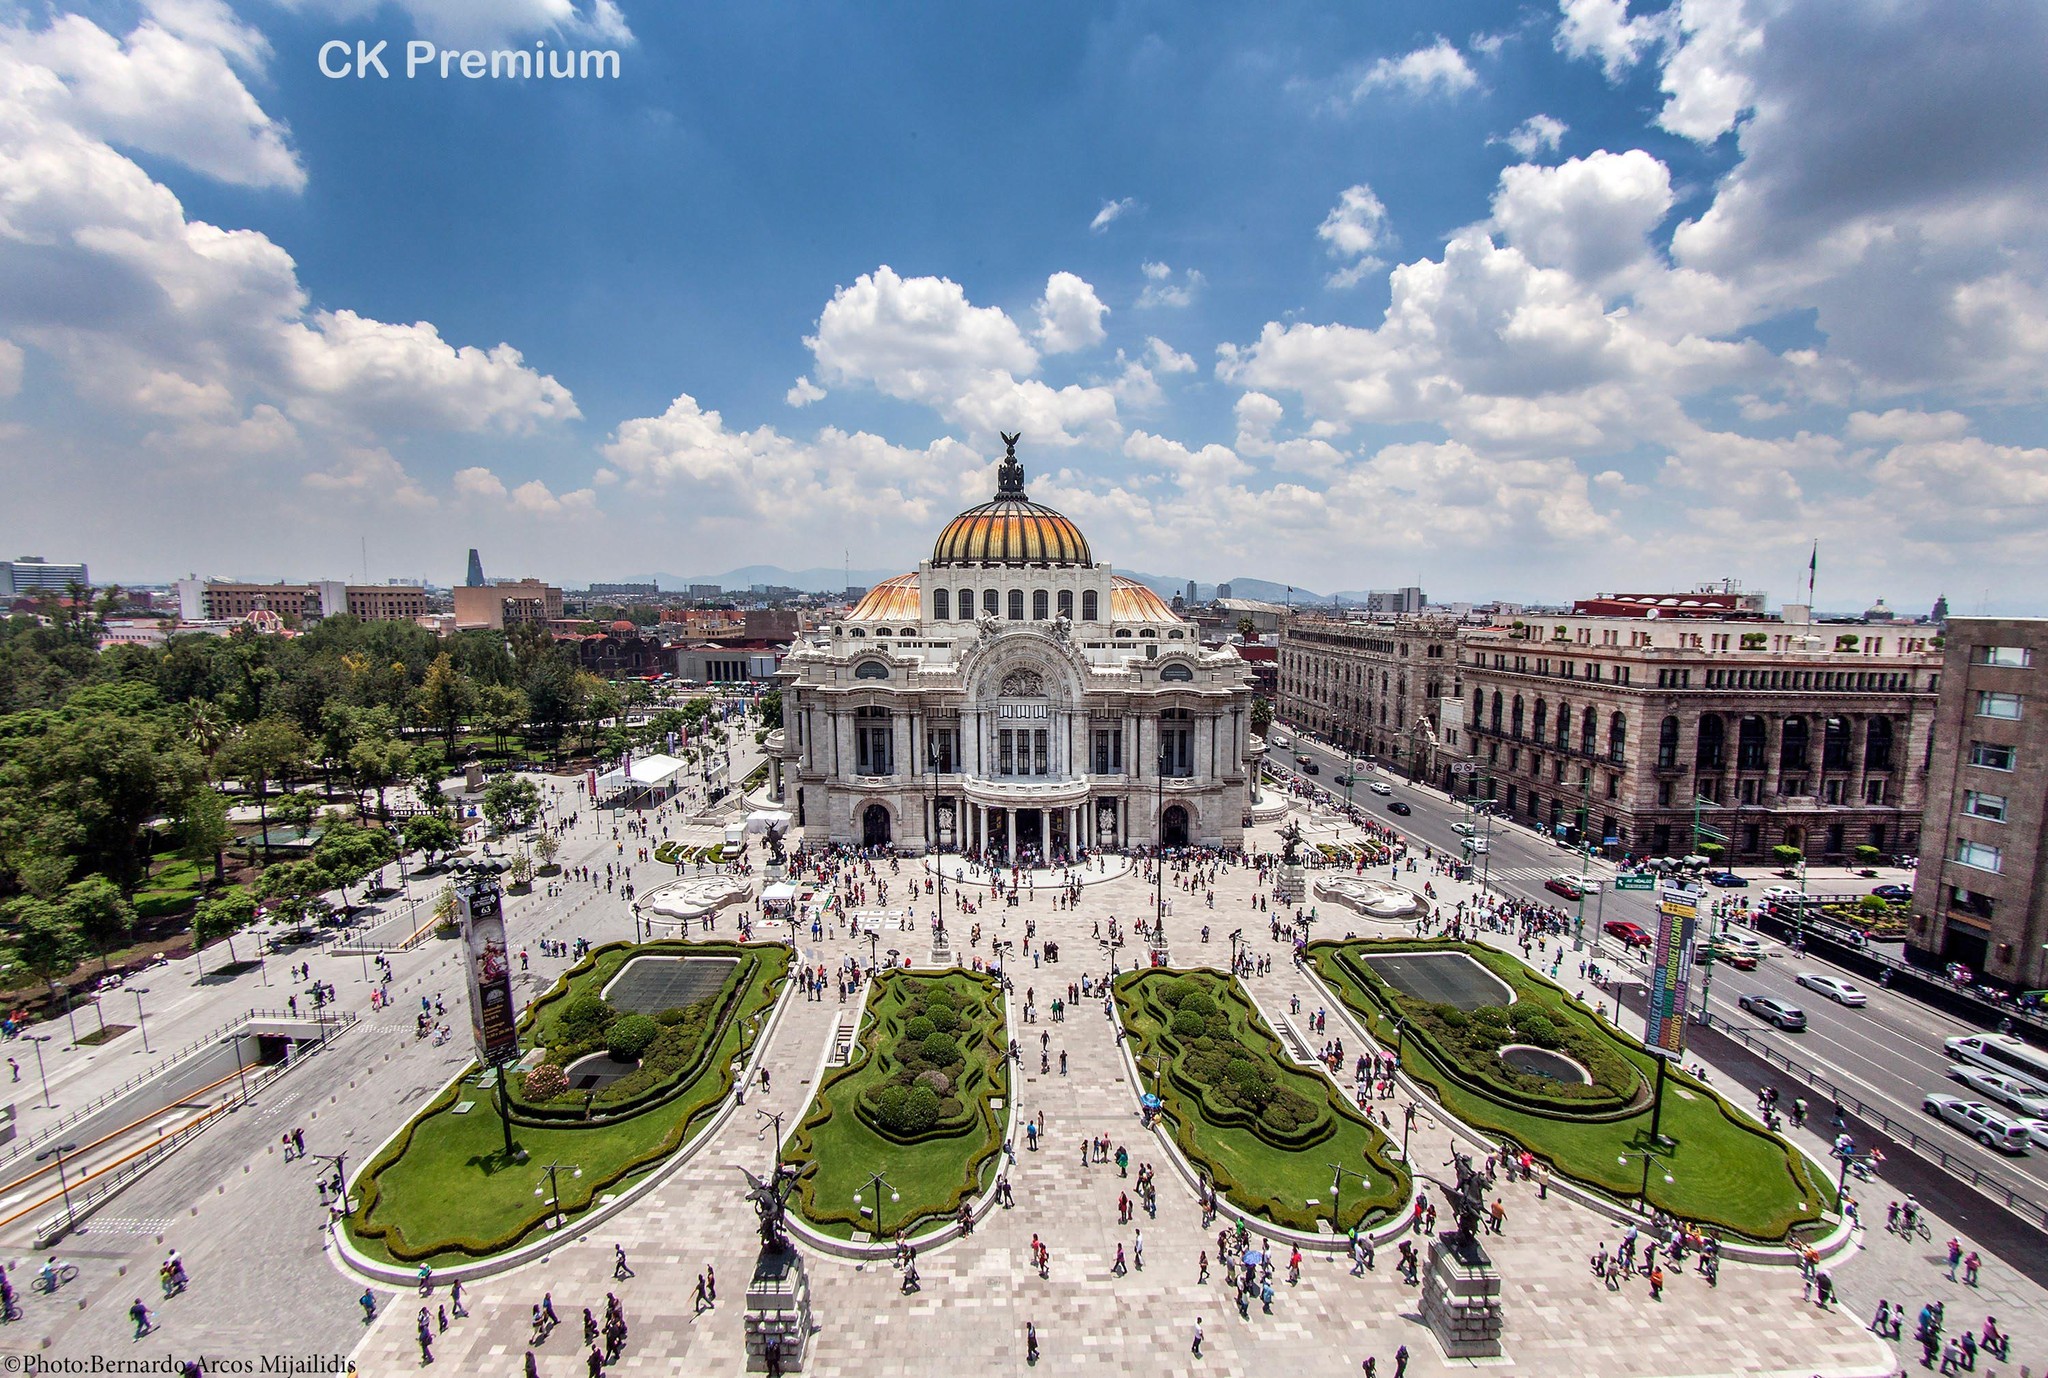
223,916
1788,856
376,763
1262,716
266,750
500,710
510,801
203,831
545,847
296,890
771,709
445,698
297,810
1247,630
429,833
347,853
47,942
522,867
101,913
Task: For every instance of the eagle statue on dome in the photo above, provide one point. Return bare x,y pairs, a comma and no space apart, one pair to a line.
1010,474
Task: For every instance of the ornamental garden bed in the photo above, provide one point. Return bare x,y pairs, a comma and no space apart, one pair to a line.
1263,1130
1726,1173
1890,921
684,854
444,1191
921,1102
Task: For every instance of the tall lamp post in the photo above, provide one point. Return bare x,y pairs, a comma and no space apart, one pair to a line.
39,1040
1159,858
141,991
58,1151
1643,1193
875,1183
938,848
556,1219
1337,1172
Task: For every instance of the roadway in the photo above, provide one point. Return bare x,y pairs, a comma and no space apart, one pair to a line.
1888,1053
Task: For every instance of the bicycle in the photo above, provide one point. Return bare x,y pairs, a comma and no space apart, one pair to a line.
51,1281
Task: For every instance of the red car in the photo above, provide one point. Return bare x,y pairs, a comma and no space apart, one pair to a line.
1561,885
1629,933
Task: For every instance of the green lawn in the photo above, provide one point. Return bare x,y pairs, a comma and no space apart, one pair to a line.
840,1148
443,1191
171,887
1723,1170
1283,1177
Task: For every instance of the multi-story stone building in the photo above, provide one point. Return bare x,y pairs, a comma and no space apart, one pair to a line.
1791,733
212,600
1016,698
1388,690
1978,898
507,603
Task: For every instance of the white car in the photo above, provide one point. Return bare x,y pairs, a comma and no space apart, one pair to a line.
1380,787
1990,1127
1782,892
2003,1089
1463,829
1476,845
2037,1130
1834,987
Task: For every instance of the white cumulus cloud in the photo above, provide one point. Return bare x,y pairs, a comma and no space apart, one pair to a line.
1161,289
1069,315
1537,134
1111,212
1439,69
1355,229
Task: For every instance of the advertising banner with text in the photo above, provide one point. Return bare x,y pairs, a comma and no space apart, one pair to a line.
480,910
1678,906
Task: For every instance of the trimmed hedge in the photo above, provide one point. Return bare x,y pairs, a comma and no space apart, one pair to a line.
1222,1073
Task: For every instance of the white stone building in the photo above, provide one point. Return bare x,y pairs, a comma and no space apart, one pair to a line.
1015,698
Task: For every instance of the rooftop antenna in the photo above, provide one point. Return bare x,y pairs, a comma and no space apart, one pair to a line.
366,559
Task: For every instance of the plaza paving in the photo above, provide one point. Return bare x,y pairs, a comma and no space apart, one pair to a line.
261,1285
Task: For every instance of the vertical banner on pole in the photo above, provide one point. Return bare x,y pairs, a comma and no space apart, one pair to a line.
480,910
1678,905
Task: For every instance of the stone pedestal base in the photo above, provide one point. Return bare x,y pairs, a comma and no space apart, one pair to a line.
778,1311
1292,886
1461,1301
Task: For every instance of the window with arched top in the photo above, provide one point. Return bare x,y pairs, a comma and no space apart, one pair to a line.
883,631
1667,742
1041,605
858,632
1515,718
1538,722
871,669
1174,636
1149,632
1177,744
1712,746
942,606
966,605
1123,631
1589,727
1176,674
1495,719
1016,605
991,603
1088,606
1066,604
907,631
1617,737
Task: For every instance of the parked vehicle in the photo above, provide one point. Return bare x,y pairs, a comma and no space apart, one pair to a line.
1834,987
2006,1090
1988,1126
1787,1017
1727,880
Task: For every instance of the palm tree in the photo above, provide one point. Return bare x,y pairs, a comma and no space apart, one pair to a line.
206,728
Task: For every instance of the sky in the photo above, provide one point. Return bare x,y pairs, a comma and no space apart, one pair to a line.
1524,302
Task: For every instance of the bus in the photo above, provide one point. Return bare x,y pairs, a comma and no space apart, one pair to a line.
2003,1053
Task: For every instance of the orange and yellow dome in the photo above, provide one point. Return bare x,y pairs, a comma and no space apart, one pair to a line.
1011,529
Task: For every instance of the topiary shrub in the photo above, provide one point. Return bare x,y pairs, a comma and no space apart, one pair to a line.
919,1028
545,1082
906,1110
938,997
1197,1003
944,1018
941,1050
1536,1027
1188,1024
671,1016
586,1018
937,1080
629,1036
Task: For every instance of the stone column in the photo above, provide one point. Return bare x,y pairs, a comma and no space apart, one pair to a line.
1010,818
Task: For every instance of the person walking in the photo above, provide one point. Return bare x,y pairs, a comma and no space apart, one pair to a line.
1401,1362
1198,1337
1138,1250
711,1283
697,1307
140,1315
619,1268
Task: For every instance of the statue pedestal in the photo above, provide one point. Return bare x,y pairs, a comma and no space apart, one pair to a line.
1461,1300
1292,887
778,1311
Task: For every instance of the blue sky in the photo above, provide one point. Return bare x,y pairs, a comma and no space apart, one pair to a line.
1508,302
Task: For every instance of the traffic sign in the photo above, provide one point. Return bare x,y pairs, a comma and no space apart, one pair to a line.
1645,881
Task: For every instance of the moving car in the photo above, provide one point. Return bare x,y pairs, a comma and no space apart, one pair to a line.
1897,894
1783,892
1380,787
1989,1127
1463,829
1727,953
2003,1089
1345,780
1399,806
1788,1017
1834,987
1630,933
1727,880
1311,768
1568,886
2037,1132
1476,845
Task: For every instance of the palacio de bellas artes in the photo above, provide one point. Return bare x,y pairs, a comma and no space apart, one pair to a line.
1016,699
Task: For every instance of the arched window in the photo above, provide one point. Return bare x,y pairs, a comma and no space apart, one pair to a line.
1496,712
1478,706
1834,745
871,669
908,631
1877,745
1088,603
1564,725
1123,631
1041,605
1178,674
966,605
1016,605
1589,728
1617,737
1515,718
1539,722
1792,745
1713,744
1150,632
1066,604
1749,744
1173,636
873,741
858,632
1667,742
883,631
942,606
991,603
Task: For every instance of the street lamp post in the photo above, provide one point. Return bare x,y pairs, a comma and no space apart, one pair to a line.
1337,1171
1407,1123
141,991
1649,1160
875,1183
39,1040
1159,860
937,847
555,1218
63,1179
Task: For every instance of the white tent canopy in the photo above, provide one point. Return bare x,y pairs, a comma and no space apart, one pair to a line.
761,820
645,773
781,893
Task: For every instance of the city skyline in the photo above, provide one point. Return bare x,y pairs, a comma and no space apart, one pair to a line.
1517,305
